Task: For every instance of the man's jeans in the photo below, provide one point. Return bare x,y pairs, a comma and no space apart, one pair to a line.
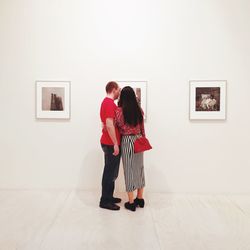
110,173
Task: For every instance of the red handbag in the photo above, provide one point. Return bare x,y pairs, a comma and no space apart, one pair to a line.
141,144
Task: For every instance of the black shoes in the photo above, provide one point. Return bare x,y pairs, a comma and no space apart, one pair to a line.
116,200
139,202
110,206
130,206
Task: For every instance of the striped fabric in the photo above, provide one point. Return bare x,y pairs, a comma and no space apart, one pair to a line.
132,164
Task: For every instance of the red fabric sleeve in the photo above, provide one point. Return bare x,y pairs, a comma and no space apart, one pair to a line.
110,110
118,118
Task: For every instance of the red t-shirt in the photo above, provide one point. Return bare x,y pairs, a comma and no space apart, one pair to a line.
108,108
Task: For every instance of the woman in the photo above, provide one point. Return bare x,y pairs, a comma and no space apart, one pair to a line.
130,122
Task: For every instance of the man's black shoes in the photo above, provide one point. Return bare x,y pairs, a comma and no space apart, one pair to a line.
116,200
110,206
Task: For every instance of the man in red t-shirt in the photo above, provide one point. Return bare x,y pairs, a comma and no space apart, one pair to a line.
110,142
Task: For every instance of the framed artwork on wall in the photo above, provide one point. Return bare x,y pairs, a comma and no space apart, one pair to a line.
207,100
53,99
140,88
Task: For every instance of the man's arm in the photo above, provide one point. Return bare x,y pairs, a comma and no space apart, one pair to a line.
111,131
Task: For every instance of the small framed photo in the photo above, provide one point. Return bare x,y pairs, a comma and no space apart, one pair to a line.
53,99
140,88
207,100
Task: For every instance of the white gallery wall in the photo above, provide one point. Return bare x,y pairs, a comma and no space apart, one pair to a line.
90,42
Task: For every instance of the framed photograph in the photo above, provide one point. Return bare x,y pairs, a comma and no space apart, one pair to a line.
207,100
53,99
140,88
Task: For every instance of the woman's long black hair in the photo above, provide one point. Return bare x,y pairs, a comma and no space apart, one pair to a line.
130,107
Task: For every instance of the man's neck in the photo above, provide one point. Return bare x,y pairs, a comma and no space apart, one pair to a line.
110,96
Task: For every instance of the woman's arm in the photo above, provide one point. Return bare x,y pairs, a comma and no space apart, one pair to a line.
142,124
142,128
118,119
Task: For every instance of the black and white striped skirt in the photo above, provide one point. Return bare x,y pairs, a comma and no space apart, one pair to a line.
132,164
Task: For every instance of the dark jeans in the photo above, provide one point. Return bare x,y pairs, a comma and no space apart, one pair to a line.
110,173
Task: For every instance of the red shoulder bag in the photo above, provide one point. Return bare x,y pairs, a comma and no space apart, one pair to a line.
141,144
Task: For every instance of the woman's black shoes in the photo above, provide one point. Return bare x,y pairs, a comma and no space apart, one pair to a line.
130,206
139,202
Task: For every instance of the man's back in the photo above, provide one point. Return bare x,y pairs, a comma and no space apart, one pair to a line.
107,110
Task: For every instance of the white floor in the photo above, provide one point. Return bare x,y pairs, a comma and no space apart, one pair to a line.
72,220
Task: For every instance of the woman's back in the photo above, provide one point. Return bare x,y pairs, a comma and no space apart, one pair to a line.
125,128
